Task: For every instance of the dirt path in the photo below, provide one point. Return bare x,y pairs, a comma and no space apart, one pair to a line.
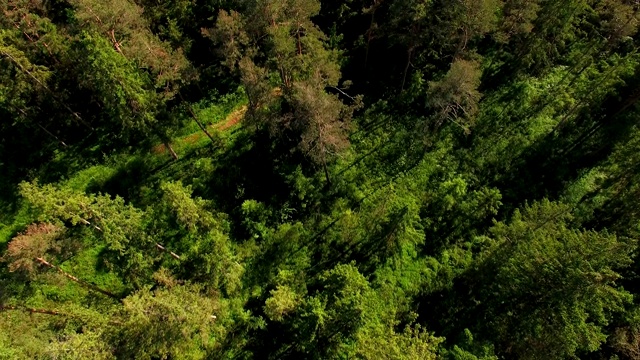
230,121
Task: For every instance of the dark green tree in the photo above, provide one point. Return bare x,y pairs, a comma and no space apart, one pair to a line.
545,289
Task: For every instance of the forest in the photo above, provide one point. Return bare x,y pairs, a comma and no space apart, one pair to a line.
320,179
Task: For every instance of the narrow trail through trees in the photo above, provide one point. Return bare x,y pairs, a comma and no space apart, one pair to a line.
234,118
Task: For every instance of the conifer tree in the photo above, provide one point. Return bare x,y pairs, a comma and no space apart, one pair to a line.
548,289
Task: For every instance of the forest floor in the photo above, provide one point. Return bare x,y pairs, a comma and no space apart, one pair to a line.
222,118
231,120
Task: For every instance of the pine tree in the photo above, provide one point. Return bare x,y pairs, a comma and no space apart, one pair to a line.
455,97
295,49
547,289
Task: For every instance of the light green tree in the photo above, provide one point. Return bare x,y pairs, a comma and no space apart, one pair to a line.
129,249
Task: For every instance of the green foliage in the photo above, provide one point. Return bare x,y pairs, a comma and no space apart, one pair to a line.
282,301
201,180
555,286
174,322
294,52
116,83
122,23
456,95
411,344
189,212
330,318
120,226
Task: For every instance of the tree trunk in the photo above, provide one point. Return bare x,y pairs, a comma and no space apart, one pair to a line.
166,140
75,279
44,86
171,151
406,68
31,310
195,118
369,38
326,172
52,135
202,127
162,248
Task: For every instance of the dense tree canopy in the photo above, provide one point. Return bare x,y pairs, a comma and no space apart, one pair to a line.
319,179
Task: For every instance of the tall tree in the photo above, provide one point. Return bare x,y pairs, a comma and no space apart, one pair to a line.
294,49
545,289
455,97
129,249
121,22
517,19
171,322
